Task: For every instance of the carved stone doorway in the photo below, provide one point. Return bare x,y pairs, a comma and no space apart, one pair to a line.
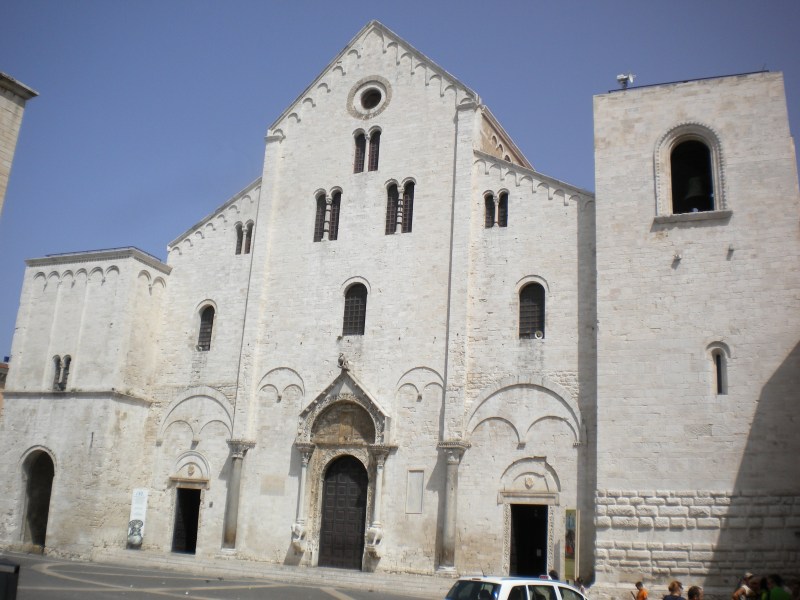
187,516
344,514
528,540
39,471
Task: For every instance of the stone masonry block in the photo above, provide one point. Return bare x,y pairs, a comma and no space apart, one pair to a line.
646,522
647,511
602,522
621,511
677,523
710,523
625,522
699,511
673,511
661,523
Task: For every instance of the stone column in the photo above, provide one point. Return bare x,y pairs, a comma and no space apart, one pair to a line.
454,451
375,530
238,449
326,228
299,525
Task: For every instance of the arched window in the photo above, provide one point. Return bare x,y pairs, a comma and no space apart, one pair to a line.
206,328
374,150
692,181
336,203
502,210
408,206
488,201
355,310
361,151
319,221
239,238
248,238
65,372
719,365
392,198
56,373
531,311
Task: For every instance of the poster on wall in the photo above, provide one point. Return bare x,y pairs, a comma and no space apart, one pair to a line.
571,545
138,518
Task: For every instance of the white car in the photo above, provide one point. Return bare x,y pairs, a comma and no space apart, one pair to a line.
512,588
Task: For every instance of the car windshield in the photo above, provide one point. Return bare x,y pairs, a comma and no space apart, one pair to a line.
466,589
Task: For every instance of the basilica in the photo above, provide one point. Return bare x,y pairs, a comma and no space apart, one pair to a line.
403,348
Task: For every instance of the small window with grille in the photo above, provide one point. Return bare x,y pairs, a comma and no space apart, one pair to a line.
502,210
206,329
488,201
336,205
408,206
361,151
355,310
392,198
374,150
319,220
531,311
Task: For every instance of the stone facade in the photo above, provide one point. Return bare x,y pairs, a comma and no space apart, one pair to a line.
489,393
13,96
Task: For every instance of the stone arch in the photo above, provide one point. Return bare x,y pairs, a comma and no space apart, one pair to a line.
552,400
38,472
219,410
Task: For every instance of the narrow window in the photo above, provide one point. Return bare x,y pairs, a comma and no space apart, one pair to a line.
336,203
374,150
57,373
319,221
720,372
206,327
248,238
531,311
361,150
65,372
408,206
488,201
238,238
692,184
355,310
392,198
502,210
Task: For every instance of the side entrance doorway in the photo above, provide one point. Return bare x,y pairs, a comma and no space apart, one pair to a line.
344,514
187,515
528,556
39,471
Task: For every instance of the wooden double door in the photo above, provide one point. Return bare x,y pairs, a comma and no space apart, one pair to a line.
344,514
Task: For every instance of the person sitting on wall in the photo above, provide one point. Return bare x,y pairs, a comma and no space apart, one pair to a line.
675,589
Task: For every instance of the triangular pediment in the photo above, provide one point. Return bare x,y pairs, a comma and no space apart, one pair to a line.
374,38
346,388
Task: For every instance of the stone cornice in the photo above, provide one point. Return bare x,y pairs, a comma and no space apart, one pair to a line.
101,255
15,87
237,196
481,155
102,395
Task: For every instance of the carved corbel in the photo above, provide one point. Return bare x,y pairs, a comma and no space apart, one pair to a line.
374,538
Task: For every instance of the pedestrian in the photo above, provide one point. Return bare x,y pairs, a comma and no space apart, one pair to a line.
580,586
675,589
641,592
695,593
553,574
776,589
743,590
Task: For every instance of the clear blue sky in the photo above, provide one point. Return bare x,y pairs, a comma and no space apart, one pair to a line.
153,112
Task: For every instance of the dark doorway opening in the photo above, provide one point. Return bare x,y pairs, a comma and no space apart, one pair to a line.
344,514
528,540
187,514
39,471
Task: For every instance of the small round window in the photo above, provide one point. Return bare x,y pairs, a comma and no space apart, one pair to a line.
371,98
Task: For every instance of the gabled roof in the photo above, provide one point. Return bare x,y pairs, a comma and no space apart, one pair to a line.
389,37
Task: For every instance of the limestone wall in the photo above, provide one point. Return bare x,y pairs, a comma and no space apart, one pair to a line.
674,289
